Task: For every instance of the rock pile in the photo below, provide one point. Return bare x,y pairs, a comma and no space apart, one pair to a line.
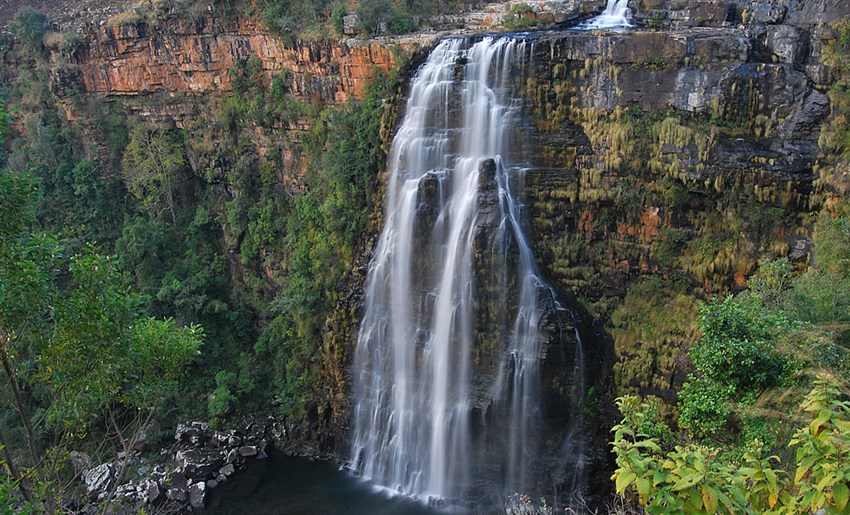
200,460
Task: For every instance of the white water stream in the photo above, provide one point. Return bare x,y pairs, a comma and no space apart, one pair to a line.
616,15
413,377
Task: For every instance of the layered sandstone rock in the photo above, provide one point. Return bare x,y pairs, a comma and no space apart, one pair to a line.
178,55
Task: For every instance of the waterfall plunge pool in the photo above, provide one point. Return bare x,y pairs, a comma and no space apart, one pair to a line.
289,486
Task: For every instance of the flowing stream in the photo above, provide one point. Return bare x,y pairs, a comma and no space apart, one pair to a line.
616,15
447,368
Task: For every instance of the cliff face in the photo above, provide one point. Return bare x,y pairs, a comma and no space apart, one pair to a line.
194,56
667,163
670,164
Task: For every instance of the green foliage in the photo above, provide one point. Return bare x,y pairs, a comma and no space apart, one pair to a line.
153,163
698,479
292,18
323,227
822,294
835,136
337,19
772,280
704,406
79,195
105,351
823,451
650,327
736,348
80,345
29,26
373,14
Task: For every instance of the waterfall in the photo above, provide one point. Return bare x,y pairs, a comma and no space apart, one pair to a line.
616,15
453,290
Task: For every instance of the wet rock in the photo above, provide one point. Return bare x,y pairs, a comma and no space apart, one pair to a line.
763,13
98,479
487,171
177,494
248,451
198,495
227,470
200,463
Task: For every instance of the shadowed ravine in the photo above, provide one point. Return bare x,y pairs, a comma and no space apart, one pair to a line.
458,322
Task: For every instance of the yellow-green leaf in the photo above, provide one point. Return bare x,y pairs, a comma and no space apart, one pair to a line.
841,494
686,482
709,499
643,487
624,479
822,417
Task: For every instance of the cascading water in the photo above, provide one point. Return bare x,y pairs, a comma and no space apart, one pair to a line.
616,15
453,289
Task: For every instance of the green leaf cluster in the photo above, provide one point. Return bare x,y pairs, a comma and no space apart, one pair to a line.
700,479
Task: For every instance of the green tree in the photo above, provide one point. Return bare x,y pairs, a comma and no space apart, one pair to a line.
29,26
153,165
79,352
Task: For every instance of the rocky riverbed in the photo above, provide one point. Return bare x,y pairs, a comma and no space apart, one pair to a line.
182,476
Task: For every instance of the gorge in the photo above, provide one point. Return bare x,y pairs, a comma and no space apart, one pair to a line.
436,259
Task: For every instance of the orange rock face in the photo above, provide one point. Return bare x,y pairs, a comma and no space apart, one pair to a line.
195,56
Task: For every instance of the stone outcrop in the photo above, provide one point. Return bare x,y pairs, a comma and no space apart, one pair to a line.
179,55
202,460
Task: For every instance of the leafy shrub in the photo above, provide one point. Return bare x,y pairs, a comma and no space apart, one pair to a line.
736,347
704,406
29,26
699,479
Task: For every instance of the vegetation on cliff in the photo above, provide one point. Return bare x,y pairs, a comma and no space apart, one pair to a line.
762,425
247,225
248,219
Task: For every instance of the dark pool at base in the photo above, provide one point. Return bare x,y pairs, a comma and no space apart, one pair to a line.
284,485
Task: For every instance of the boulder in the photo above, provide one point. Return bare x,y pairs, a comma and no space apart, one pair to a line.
786,43
177,494
194,433
763,13
350,24
248,450
98,479
200,463
197,495
152,491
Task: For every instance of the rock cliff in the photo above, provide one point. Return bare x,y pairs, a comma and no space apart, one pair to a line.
669,159
194,55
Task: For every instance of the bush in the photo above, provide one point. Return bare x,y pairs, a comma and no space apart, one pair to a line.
736,347
698,479
29,26
704,406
